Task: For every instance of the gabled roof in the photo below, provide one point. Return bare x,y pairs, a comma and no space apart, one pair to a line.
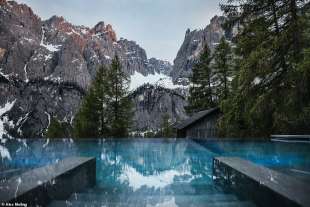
195,117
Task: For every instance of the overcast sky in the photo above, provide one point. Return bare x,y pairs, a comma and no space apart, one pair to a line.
156,25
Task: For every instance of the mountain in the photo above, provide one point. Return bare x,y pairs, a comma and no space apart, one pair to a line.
61,52
47,66
193,44
152,102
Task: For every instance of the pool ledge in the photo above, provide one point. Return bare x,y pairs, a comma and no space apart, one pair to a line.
56,181
264,186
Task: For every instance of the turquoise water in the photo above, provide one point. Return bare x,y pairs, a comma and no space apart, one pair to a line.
156,172
291,158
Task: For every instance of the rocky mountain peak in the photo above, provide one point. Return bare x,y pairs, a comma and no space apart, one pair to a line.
216,23
101,29
60,51
59,23
111,32
187,32
47,66
216,19
20,10
192,46
56,20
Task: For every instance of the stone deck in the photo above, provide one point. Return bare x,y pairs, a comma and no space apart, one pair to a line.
264,186
56,181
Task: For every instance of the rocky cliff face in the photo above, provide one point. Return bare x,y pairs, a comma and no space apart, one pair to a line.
47,66
58,51
151,103
160,66
193,44
34,103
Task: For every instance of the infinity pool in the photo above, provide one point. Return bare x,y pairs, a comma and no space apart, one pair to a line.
154,172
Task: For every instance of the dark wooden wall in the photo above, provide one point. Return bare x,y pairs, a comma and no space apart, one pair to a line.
204,128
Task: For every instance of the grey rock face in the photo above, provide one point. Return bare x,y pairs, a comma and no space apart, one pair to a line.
47,66
151,103
59,51
160,66
36,102
193,44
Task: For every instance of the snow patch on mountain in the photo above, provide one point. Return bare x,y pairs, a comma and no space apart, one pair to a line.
160,79
50,47
26,73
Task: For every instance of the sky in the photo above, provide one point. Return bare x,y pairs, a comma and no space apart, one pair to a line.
158,26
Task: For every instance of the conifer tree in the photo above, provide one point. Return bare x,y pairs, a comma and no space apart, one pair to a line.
120,113
222,69
106,109
89,121
270,47
200,92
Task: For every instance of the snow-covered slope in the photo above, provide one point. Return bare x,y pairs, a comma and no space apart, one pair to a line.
158,79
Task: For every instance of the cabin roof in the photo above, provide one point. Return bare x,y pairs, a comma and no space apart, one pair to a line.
196,117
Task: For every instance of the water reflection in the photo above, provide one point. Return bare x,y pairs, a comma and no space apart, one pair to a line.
270,154
153,172
148,164
135,168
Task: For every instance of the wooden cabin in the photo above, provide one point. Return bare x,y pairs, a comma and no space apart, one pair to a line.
200,125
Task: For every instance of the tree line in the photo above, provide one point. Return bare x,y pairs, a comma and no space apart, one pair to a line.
262,83
106,110
260,80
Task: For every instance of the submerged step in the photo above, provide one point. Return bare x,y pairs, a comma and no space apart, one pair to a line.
163,204
56,181
264,186
174,189
6,174
142,199
232,204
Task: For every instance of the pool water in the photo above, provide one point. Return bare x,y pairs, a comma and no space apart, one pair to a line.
292,158
155,172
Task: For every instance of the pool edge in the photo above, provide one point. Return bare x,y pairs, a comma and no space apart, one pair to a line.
264,186
51,182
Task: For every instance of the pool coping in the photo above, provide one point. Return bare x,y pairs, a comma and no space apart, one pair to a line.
290,136
260,183
55,181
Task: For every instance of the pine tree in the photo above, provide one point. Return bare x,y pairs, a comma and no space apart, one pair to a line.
222,69
200,92
106,109
88,122
120,105
299,98
270,47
